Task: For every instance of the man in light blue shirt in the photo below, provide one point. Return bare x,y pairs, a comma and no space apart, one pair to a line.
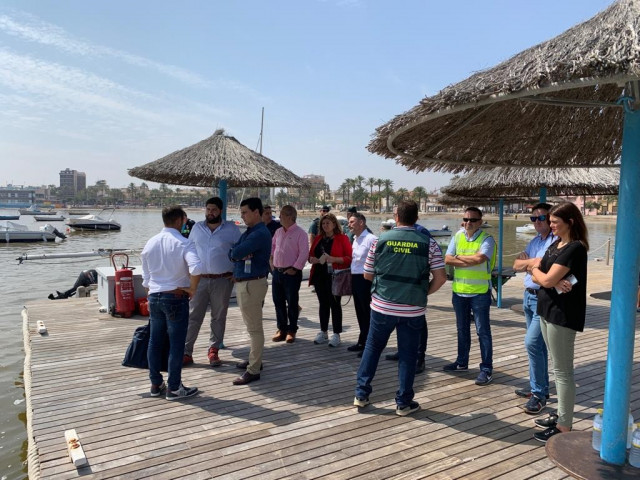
170,272
533,341
213,238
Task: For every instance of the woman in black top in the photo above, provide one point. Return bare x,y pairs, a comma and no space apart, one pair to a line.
562,303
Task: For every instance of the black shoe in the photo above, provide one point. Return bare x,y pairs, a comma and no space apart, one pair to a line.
546,434
550,421
245,378
245,364
392,356
420,366
534,405
524,393
356,348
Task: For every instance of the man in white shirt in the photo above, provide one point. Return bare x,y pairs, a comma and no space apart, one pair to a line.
213,239
170,273
361,287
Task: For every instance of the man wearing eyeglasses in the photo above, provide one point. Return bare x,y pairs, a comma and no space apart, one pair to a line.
533,341
315,225
472,253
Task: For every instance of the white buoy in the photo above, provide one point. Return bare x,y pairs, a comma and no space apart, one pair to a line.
41,327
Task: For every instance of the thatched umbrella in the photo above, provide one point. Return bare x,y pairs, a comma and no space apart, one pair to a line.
571,101
216,160
502,182
506,182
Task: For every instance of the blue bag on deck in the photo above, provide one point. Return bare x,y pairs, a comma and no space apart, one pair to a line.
136,354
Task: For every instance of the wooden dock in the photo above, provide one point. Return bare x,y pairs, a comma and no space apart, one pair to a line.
298,421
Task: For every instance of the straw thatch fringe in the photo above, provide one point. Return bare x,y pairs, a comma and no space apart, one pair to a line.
462,201
517,182
219,157
471,124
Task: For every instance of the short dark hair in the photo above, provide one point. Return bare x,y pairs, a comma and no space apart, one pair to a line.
542,205
171,214
217,201
253,203
360,216
407,212
474,209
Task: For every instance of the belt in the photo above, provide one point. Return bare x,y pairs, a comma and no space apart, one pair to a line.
176,293
282,270
216,275
533,291
247,279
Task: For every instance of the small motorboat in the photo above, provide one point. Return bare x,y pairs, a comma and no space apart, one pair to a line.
486,225
34,210
48,218
94,222
527,229
15,232
442,232
76,211
9,217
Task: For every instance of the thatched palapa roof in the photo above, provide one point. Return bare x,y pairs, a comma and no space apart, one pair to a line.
509,182
510,114
219,157
464,201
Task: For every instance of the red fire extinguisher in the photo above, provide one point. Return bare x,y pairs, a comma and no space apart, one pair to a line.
125,301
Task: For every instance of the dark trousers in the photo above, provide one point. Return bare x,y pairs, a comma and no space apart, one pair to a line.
361,289
285,290
329,304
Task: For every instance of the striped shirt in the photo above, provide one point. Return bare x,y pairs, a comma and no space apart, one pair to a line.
436,262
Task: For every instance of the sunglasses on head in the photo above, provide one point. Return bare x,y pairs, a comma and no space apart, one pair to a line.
540,218
472,220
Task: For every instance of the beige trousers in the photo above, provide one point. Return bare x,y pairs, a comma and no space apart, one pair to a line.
250,297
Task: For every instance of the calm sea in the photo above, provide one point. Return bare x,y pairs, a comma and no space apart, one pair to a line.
34,280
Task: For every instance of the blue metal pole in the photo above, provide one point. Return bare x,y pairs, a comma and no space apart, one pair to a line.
543,194
622,318
222,187
500,232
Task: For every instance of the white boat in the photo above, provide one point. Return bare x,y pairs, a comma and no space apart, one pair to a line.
527,229
48,218
15,232
34,210
94,222
442,232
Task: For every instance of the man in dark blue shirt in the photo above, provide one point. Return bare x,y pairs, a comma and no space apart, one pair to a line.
267,219
251,265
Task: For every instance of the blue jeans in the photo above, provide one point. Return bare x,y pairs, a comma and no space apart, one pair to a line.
408,335
285,290
464,307
536,348
168,314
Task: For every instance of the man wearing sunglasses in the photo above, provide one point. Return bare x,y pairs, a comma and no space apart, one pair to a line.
472,253
533,341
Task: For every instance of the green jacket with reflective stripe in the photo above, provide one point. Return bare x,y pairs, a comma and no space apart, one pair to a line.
402,267
472,280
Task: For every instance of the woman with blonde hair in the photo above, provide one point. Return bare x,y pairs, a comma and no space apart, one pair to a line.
330,250
562,303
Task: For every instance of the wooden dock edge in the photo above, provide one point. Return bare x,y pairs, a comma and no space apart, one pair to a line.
33,459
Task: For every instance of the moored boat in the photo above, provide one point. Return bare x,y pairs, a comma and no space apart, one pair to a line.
94,222
527,229
34,210
48,218
9,217
15,232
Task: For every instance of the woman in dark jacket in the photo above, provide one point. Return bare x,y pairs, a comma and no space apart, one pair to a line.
329,251
562,303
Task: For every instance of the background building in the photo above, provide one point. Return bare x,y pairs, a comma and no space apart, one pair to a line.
18,197
72,181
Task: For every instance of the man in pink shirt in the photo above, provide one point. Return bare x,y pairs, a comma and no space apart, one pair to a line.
289,253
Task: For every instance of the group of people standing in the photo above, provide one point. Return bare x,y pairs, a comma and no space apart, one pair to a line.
392,277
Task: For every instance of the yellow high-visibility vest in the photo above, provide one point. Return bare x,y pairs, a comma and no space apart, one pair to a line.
472,280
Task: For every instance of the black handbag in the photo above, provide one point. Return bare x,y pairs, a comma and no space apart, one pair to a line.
341,283
136,354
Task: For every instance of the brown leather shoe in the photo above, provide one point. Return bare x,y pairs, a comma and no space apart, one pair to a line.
187,360
245,364
280,336
291,337
245,378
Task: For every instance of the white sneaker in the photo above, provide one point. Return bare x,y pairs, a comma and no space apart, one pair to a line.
321,337
335,340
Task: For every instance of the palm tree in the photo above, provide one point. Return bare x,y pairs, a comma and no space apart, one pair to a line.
371,182
351,183
387,188
418,194
401,194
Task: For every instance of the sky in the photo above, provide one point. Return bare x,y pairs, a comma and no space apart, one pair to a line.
103,86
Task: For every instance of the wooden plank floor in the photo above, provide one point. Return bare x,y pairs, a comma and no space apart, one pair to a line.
298,421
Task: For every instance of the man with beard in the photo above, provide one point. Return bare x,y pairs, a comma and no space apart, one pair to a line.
213,238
